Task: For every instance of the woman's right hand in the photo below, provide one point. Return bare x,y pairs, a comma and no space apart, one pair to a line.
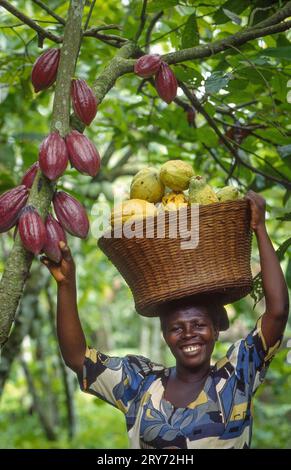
64,272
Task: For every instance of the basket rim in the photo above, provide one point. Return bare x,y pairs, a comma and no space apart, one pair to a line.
151,219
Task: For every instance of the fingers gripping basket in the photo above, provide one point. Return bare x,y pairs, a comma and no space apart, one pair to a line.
159,270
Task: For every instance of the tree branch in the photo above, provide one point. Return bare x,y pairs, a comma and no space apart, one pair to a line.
43,32
117,67
107,38
142,20
276,18
49,11
152,24
19,261
238,39
89,14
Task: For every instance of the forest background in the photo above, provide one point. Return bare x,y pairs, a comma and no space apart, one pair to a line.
231,120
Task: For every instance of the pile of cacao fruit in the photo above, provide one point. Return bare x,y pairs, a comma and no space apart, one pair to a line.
55,152
172,187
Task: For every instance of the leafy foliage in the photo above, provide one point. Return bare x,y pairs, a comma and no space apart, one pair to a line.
244,86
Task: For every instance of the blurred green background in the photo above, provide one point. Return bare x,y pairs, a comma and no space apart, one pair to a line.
41,405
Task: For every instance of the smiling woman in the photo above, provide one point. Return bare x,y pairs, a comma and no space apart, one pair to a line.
192,404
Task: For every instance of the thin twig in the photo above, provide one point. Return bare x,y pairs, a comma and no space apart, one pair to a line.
41,31
152,24
236,144
258,72
196,103
215,157
142,20
104,27
89,14
49,11
166,34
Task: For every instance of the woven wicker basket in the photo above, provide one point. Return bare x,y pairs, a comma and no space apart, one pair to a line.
159,270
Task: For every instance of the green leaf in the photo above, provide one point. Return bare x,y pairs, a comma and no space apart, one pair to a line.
286,196
284,151
6,179
156,5
279,52
235,18
188,74
232,6
216,82
257,293
288,274
285,218
190,35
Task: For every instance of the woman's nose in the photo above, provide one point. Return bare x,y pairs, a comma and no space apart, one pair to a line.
189,332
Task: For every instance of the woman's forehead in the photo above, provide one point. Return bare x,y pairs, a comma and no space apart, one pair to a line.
185,313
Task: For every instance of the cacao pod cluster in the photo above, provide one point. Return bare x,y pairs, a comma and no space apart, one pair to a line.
165,81
38,236
44,74
55,152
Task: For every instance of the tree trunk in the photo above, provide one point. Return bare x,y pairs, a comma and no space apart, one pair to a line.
23,322
19,261
37,405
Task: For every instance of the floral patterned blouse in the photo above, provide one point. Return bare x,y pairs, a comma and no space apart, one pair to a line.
221,415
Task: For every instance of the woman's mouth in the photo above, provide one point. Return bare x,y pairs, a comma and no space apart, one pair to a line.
192,349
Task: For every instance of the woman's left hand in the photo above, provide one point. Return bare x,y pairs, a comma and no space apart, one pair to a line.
258,209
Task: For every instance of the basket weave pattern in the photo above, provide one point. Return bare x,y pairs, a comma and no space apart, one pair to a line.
158,270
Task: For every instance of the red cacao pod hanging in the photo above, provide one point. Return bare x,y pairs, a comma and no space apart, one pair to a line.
11,203
166,83
147,65
83,154
84,101
71,214
45,69
54,234
31,230
53,156
29,175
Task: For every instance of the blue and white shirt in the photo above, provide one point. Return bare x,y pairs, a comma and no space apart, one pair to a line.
221,415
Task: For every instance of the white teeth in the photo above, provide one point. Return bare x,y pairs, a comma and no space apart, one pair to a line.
191,348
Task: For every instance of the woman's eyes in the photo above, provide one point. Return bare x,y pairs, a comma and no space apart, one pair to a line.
196,325
175,328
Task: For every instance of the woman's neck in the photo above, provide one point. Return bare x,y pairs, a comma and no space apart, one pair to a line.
186,375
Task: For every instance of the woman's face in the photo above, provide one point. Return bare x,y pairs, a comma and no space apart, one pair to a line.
190,334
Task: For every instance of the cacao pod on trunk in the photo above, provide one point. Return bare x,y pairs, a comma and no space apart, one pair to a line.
166,83
54,234
84,101
71,214
11,203
147,65
45,69
83,154
31,230
29,175
53,156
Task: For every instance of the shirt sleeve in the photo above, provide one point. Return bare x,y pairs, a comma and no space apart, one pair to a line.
251,357
116,380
